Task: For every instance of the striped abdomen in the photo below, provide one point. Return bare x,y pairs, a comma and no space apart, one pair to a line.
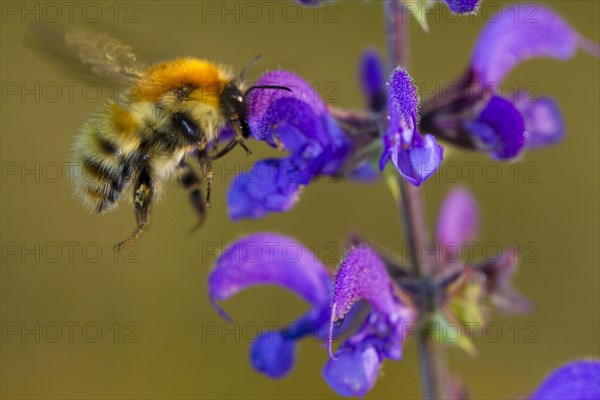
104,155
112,146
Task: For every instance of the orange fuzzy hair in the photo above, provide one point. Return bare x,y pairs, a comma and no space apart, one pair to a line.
163,77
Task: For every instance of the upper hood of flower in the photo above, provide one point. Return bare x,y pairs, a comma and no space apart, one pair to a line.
508,41
415,157
272,259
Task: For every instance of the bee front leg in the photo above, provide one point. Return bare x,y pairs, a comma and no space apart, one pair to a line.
238,138
143,197
191,182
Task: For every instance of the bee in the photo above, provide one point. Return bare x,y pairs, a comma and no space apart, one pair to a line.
169,116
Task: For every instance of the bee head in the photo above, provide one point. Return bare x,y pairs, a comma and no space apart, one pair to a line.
233,100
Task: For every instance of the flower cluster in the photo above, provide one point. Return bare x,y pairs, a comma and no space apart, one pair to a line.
320,141
372,301
363,279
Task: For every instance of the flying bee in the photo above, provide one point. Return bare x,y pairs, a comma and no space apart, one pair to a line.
169,116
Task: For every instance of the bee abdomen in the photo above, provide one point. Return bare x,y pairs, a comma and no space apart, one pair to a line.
101,185
103,170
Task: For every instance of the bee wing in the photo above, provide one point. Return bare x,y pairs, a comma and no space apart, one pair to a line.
101,54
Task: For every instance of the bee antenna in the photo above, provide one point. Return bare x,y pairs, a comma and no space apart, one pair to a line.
247,67
275,87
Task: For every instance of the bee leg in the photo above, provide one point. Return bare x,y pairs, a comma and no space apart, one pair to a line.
207,170
191,182
240,139
232,143
143,196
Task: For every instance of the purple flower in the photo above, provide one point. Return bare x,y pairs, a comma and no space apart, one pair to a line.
458,221
473,117
578,380
415,157
463,6
299,122
372,80
543,120
508,41
500,128
271,259
458,224
271,185
353,369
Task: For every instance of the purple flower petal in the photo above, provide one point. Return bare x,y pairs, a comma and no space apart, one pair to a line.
271,185
458,221
273,354
507,41
416,158
354,372
500,129
543,121
403,105
315,143
420,160
271,259
373,80
298,120
578,380
363,276
289,114
463,6
261,100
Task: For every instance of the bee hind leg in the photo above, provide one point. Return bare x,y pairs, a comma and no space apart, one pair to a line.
191,182
206,165
143,197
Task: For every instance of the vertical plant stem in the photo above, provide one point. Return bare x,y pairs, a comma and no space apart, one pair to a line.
432,356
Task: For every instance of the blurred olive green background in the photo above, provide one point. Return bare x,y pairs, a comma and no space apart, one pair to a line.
157,301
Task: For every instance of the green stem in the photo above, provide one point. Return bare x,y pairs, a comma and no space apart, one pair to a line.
432,356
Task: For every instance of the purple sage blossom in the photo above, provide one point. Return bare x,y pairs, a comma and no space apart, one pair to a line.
458,224
416,157
299,122
372,80
353,369
264,259
474,117
578,380
463,6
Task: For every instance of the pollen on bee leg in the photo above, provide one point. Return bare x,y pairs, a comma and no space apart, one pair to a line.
141,193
